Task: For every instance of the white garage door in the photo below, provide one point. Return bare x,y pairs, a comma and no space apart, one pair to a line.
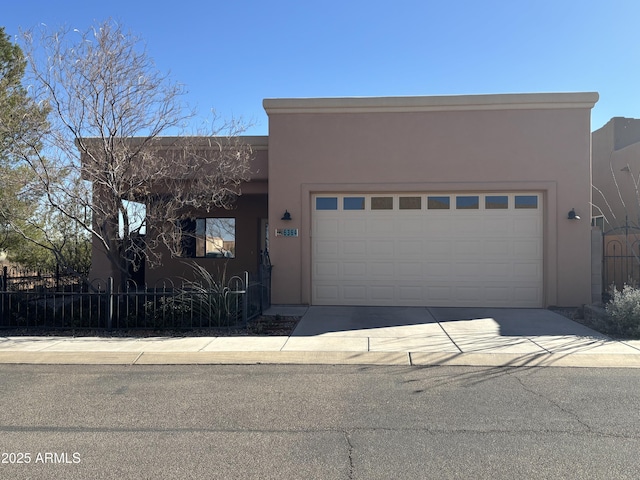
454,249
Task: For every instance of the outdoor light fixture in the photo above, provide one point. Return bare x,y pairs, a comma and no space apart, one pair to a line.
286,216
572,215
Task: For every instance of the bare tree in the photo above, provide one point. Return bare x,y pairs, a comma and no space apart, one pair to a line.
106,149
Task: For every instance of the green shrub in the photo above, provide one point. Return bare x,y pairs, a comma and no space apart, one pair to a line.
624,311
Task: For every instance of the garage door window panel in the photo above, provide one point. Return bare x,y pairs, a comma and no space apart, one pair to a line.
526,201
353,203
496,202
381,203
327,203
438,203
470,202
410,203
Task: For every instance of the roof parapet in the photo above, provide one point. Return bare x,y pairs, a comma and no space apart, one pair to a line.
508,101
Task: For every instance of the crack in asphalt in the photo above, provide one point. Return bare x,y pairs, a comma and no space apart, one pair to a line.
347,437
572,414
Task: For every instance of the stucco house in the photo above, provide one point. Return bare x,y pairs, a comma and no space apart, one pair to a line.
615,166
616,197
434,200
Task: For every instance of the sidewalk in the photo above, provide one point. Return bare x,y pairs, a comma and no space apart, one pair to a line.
440,340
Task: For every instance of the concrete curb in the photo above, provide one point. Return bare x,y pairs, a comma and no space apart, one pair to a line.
286,357
526,360
70,358
323,358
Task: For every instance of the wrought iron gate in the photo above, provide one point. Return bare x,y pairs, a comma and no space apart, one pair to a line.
621,257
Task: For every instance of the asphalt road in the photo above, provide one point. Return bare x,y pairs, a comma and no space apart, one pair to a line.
324,422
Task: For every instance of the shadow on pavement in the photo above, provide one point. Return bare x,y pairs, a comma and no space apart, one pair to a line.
374,321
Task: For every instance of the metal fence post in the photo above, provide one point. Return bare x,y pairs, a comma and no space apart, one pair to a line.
265,287
245,299
109,299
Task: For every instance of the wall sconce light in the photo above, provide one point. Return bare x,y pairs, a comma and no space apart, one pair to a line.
572,215
286,216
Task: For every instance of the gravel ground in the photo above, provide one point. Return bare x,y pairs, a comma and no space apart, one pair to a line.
572,313
599,324
262,326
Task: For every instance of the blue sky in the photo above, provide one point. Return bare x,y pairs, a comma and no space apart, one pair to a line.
233,54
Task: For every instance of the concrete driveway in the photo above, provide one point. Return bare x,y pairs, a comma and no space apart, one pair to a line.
411,321
475,335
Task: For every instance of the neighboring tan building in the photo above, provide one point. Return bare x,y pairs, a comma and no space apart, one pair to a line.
616,198
415,201
615,170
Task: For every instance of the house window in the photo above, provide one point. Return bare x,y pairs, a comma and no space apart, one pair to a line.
598,221
137,216
215,238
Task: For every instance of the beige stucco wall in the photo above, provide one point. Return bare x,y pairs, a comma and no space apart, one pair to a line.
248,210
456,144
616,170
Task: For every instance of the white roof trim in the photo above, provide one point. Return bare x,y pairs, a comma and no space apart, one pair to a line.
510,101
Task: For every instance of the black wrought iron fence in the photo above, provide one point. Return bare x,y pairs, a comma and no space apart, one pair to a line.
16,278
258,293
621,257
165,307
29,309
